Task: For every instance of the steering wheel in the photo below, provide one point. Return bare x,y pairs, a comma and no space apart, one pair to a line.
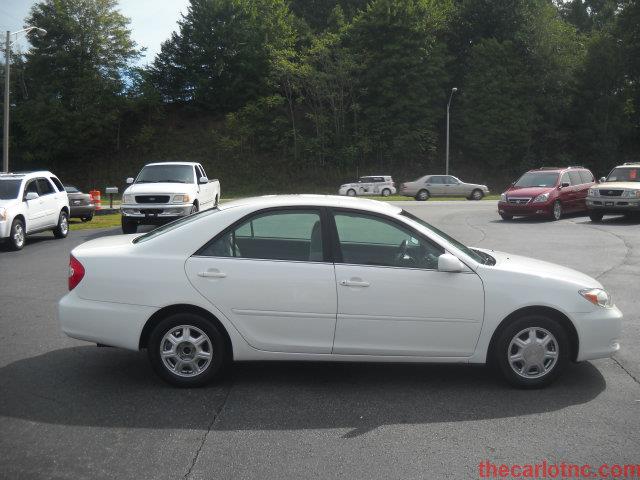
402,257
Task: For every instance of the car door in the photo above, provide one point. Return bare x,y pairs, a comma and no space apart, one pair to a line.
49,201
392,300
578,191
435,185
206,189
35,209
453,186
268,276
567,193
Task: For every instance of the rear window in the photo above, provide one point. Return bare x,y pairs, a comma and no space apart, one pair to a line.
174,225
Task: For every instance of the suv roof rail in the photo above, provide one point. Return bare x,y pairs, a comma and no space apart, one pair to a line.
576,166
550,168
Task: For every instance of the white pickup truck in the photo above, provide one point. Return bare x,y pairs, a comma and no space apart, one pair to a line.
163,192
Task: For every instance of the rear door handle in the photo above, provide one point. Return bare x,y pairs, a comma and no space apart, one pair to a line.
212,273
354,283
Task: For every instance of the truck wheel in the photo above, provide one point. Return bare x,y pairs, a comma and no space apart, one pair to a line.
129,226
596,216
17,235
62,229
422,195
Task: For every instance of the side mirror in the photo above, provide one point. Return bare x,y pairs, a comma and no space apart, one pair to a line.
603,179
130,180
449,263
203,180
31,196
564,184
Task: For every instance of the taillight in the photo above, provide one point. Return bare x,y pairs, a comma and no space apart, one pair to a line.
76,272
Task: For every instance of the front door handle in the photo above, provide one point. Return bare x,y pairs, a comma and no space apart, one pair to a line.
354,283
212,273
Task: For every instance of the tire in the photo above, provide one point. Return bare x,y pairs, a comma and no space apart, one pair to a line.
550,359
215,204
62,229
351,192
184,328
596,216
477,194
422,195
386,192
194,209
17,235
556,213
128,226
506,217
87,219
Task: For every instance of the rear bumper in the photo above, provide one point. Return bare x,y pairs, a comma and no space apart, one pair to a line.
81,211
598,333
526,210
113,324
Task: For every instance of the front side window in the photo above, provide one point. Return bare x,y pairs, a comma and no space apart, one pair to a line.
45,186
32,187
294,235
565,179
435,180
371,240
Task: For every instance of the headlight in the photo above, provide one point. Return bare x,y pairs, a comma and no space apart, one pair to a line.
503,197
127,198
181,199
598,297
631,193
593,192
543,197
3,214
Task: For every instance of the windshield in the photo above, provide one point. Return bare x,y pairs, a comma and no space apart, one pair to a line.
166,174
471,253
173,225
71,189
537,179
624,174
9,189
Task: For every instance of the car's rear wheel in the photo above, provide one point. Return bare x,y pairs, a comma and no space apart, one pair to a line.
17,235
128,226
556,213
422,195
477,194
595,216
62,229
186,350
386,192
88,218
531,351
351,192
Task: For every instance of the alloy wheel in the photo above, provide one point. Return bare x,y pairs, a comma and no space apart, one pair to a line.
186,351
533,352
18,235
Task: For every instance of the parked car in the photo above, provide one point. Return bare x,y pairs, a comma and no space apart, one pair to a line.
81,204
442,186
323,278
370,185
547,192
618,193
30,203
163,192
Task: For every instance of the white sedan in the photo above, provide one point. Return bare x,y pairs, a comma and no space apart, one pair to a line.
330,278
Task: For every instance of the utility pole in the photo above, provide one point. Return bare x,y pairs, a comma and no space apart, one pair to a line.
5,137
453,90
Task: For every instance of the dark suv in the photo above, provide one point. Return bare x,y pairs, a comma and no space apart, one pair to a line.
547,192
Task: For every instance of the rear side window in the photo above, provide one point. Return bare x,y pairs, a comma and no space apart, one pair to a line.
45,186
435,180
58,184
293,235
576,178
565,178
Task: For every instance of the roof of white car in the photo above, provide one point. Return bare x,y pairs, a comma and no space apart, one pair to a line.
268,201
15,175
172,163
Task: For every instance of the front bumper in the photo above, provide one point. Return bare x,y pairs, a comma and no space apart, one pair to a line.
598,333
5,229
613,204
526,210
154,214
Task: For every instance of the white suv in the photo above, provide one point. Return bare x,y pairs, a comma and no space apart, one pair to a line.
369,185
30,203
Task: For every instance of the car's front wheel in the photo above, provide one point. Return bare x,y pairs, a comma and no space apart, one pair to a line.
128,226
556,213
187,350
17,235
351,192
477,194
62,229
531,351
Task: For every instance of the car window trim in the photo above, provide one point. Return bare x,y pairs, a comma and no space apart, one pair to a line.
326,247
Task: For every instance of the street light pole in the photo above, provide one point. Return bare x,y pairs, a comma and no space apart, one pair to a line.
453,90
5,138
7,66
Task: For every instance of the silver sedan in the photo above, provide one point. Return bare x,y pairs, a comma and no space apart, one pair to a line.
442,186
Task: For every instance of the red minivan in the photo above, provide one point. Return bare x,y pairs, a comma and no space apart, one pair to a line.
547,192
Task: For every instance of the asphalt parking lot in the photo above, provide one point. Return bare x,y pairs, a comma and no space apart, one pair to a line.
71,410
